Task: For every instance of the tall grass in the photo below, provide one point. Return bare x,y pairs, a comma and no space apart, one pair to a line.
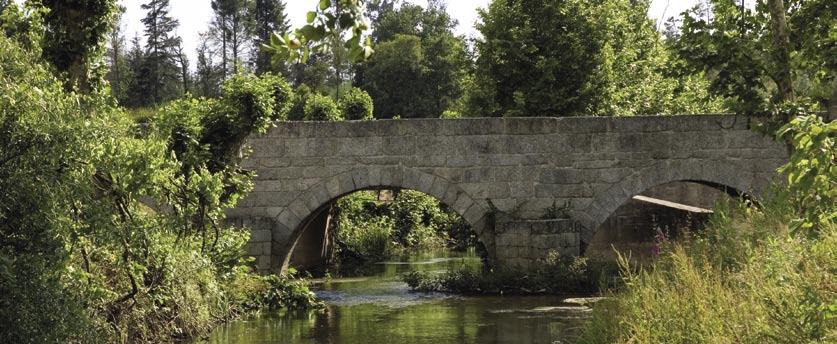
746,279
756,274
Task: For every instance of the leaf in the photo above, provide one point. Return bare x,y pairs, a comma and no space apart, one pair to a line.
324,4
310,32
311,16
346,20
274,39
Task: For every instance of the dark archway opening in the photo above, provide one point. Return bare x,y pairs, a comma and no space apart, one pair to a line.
357,232
665,212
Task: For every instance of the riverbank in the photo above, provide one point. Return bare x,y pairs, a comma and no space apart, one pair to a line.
554,276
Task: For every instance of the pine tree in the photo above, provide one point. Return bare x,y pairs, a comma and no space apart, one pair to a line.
160,50
116,56
208,74
269,16
136,94
232,25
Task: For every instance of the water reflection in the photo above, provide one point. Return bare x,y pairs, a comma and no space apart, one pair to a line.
380,309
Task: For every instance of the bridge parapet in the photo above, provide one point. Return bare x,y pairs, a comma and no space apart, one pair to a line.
521,165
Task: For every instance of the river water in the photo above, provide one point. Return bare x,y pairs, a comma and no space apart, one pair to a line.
379,308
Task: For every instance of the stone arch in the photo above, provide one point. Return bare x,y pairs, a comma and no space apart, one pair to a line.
719,174
315,198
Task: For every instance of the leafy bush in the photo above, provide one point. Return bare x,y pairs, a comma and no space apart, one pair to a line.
356,104
288,293
321,108
283,96
812,171
121,230
300,97
360,228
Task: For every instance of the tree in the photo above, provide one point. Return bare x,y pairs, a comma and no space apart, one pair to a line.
410,19
161,51
183,62
269,17
136,91
208,74
74,37
420,65
232,25
781,48
565,58
116,53
750,62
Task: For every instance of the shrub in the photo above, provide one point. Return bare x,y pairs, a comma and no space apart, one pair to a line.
288,293
321,108
356,104
812,171
283,96
300,97
110,234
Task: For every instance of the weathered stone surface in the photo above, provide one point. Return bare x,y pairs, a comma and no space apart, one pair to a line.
518,165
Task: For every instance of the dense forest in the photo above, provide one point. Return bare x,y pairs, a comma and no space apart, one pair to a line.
120,155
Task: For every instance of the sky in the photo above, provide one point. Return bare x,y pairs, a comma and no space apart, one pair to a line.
194,15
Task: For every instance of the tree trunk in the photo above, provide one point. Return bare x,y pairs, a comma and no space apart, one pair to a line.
781,49
224,48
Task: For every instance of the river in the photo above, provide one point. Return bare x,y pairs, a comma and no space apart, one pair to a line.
379,308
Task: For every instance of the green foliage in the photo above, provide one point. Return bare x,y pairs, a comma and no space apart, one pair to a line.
321,108
326,27
268,16
158,74
735,51
419,68
812,171
74,39
283,96
121,229
356,104
45,138
567,58
418,219
373,230
361,228
24,25
775,287
289,293
554,275
300,97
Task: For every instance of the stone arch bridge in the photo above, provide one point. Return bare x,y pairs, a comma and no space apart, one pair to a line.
500,174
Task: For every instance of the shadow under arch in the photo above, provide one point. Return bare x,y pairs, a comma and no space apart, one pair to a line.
720,175
316,199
